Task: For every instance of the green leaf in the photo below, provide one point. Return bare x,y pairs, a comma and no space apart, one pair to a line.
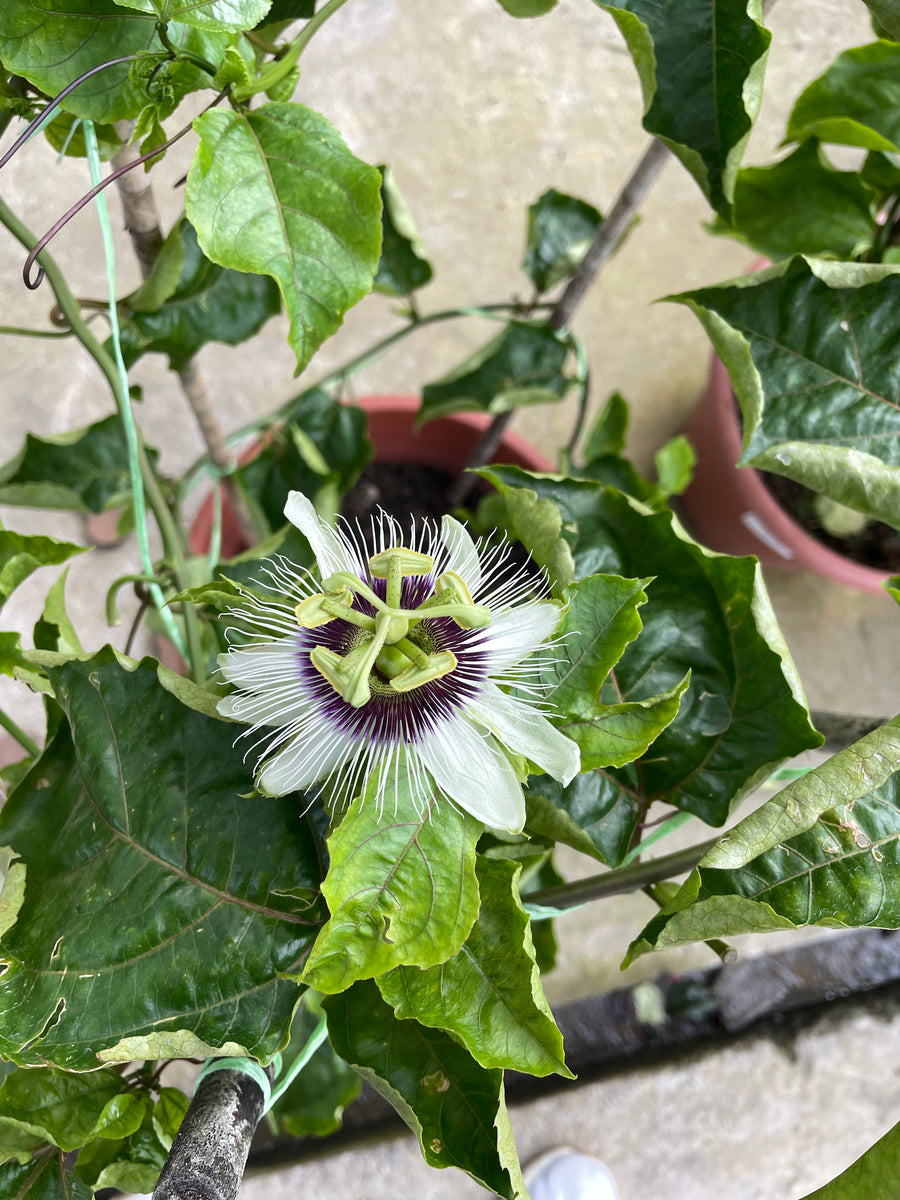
275,191
743,713
131,1163
616,734
403,266
595,814
522,365
454,1106
869,1177
560,230
17,1144
805,346
802,205
528,8
132,824
855,103
62,1108
208,304
60,134
537,524
54,630
52,42
290,10
892,587
85,470
886,13
607,434
224,15
489,995
44,1178
322,445
701,64
23,553
400,889
842,871
674,462
315,1101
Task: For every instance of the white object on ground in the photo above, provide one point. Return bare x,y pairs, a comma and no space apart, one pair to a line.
566,1174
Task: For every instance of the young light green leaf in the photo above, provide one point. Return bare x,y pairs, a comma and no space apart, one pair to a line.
85,470
867,1177
489,995
275,191
804,346
59,1107
131,1163
744,712
454,1106
842,871
17,1144
207,304
522,365
220,15
700,63
674,462
131,823
560,230
855,103
403,266
400,889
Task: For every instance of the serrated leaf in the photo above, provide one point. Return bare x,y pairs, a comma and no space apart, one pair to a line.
315,1101
403,266
401,888
44,1178
57,1106
708,614
275,191
523,364
454,1106
489,995
806,344
52,42
802,205
208,304
560,230
23,553
323,444
595,814
700,63
856,102
616,734
219,15
131,824
870,1175
842,871
85,470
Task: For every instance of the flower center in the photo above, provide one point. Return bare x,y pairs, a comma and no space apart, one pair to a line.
388,646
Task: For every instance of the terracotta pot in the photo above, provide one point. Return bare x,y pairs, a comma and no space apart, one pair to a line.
729,508
444,443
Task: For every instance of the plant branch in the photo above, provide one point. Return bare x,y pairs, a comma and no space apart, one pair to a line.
624,879
288,58
609,234
19,734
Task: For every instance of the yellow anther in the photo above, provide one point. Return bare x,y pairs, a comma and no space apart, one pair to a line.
349,675
438,666
452,599
411,562
320,609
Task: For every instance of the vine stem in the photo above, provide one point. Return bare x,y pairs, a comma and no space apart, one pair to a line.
625,879
19,734
171,534
608,235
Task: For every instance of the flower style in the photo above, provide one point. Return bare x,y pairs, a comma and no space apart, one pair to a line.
397,666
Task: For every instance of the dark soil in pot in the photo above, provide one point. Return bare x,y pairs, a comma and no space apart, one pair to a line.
398,488
876,545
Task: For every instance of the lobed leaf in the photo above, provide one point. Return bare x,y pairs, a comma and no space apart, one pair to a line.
131,824
275,191
808,348
454,1106
488,995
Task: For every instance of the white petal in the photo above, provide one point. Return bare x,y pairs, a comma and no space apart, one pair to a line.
516,633
278,706
304,761
462,555
473,771
525,731
332,553
260,667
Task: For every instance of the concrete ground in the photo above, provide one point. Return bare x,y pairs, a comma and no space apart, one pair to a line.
478,114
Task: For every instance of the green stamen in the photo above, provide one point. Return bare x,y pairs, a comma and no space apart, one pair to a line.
438,666
323,607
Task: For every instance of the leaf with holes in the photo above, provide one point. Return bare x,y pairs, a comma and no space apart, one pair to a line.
275,191
400,889
454,1106
489,995
842,871
809,348
701,64
132,824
